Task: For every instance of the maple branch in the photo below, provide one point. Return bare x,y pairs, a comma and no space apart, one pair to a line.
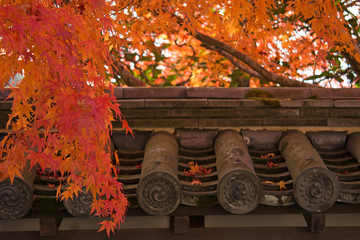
237,64
267,75
142,74
354,63
128,78
351,4
218,45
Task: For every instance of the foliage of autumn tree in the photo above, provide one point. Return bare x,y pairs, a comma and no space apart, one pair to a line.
63,107
228,43
69,51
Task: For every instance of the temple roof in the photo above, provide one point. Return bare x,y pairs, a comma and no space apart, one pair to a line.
232,147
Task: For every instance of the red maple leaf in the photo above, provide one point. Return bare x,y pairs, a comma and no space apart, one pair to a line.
108,226
189,174
271,164
196,182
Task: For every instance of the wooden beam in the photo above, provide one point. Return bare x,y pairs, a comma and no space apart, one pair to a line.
49,226
268,233
338,208
315,221
197,221
181,224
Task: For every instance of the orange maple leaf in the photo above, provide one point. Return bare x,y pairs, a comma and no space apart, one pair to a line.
281,185
108,226
117,161
268,155
195,169
269,182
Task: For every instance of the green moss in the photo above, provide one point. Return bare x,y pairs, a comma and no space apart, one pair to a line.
258,93
270,101
265,97
315,96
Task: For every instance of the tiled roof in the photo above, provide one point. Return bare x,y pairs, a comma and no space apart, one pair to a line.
312,170
322,161
290,150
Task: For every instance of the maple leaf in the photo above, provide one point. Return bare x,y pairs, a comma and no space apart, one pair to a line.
66,195
195,169
58,191
268,155
270,164
117,161
109,226
97,205
139,165
127,127
269,182
189,174
205,171
281,185
196,182
108,191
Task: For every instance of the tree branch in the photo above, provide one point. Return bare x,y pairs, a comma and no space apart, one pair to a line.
355,65
237,64
128,78
265,74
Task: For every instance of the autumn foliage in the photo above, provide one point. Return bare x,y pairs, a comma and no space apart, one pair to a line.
63,107
69,54
195,171
232,43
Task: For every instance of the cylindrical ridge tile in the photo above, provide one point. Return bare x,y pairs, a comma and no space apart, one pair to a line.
353,145
16,199
315,187
239,190
159,190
